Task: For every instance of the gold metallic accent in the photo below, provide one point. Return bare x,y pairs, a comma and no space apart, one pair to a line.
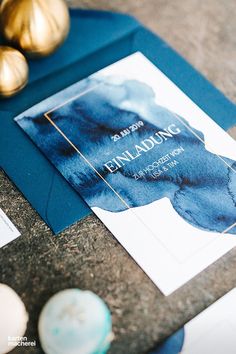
37,27
13,71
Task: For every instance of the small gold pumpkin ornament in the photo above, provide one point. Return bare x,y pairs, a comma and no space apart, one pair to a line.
37,27
13,71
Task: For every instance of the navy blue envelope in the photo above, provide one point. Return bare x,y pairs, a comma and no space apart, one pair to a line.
96,40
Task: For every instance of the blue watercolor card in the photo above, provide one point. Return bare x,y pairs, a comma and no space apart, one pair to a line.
156,169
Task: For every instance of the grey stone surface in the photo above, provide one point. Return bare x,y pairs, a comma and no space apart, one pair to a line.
86,255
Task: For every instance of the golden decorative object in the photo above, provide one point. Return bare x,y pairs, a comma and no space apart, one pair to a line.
37,27
13,71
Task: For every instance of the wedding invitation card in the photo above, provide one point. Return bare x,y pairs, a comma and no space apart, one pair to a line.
212,331
156,169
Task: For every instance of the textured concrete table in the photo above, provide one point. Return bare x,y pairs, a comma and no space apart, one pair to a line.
86,255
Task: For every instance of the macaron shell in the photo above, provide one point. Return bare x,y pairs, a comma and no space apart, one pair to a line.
13,317
75,321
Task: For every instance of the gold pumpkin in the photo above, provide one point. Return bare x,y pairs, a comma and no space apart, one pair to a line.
37,27
13,71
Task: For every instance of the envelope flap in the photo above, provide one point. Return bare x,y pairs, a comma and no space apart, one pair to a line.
41,184
90,30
